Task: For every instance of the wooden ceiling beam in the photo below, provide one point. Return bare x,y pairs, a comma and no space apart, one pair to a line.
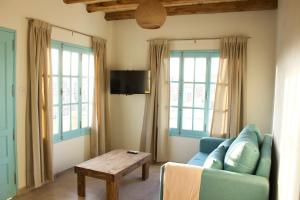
123,5
137,1
179,1
79,1
238,6
111,6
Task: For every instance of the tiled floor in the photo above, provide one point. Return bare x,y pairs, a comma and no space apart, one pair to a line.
132,188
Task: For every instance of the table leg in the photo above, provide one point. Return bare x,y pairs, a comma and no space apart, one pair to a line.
112,190
145,172
81,185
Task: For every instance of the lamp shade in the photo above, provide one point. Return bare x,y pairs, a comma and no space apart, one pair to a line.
150,14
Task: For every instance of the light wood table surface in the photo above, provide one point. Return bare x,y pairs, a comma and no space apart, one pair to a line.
111,167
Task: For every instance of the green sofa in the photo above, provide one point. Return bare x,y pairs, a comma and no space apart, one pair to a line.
225,185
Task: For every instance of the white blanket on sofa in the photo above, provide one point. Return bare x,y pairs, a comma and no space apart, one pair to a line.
181,182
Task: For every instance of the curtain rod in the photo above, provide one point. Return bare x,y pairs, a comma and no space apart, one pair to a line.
67,29
193,39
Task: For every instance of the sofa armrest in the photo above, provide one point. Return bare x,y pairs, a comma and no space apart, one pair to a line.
224,185
208,144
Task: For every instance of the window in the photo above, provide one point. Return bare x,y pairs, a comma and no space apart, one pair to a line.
193,76
73,83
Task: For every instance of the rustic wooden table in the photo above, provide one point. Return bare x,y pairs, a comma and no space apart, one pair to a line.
111,167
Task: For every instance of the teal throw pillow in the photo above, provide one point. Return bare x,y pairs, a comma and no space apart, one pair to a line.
243,154
227,143
215,159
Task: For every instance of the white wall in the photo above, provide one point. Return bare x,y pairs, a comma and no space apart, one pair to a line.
287,103
130,51
69,153
12,15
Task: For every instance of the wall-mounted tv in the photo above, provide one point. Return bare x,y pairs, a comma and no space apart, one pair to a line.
130,82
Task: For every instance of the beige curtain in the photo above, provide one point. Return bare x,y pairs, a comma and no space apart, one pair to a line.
228,108
100,140
154,136
39,105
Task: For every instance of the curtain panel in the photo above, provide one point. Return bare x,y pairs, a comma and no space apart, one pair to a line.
39,142
231,86
100,138
155,130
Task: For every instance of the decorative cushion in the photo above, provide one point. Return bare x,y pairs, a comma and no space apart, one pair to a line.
264,164
243,153
253,128
227,143
215,159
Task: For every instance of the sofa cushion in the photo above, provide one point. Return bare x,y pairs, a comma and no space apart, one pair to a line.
215,159
198,159
243,153
227,143
253,128
264,164
208,144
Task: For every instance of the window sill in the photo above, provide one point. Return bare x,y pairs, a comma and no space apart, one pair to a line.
190,134
71,135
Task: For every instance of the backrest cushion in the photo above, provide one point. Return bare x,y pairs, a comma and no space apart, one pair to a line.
227,143
253,128
215,159
264,164
243,154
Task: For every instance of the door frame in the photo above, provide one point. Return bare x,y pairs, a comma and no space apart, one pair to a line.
13,32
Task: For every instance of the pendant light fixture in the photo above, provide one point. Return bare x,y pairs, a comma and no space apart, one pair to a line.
150,14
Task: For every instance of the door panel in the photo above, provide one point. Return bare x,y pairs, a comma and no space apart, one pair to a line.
7,153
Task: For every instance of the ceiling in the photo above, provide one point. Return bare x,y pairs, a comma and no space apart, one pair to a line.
125,9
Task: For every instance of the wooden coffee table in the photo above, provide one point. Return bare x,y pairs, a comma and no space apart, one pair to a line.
111,167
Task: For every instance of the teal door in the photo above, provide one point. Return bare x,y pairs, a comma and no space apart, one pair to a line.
7,143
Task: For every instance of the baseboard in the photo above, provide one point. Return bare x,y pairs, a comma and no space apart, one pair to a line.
64,172
24,190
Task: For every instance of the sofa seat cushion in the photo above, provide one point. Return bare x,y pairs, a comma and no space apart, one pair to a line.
243,154
198,159
215,159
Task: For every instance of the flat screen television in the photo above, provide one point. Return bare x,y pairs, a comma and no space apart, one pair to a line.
130,82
